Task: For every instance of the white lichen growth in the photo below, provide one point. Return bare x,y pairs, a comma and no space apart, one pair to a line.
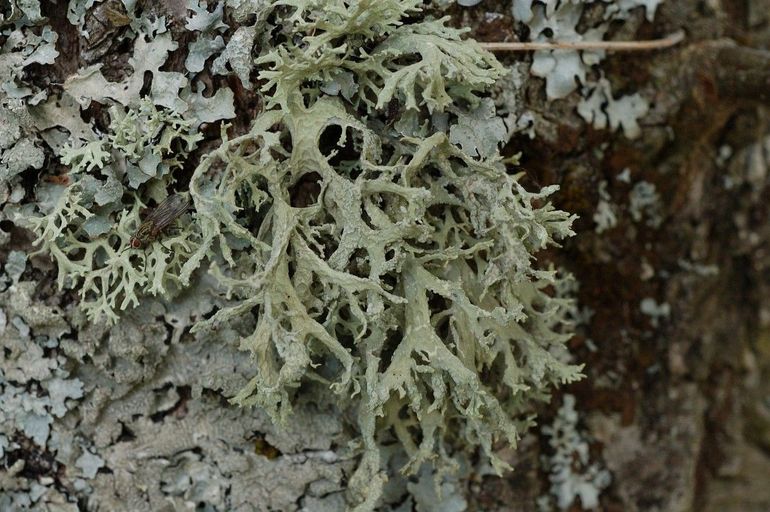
568,70
15,265
644,202
602,110
605,217
36,390
557,20
570,470
698,269
657,312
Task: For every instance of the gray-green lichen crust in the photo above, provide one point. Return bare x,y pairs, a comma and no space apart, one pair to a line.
388,259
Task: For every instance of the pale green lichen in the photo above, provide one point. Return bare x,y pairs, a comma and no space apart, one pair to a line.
387,256
427,59
87,226
398,271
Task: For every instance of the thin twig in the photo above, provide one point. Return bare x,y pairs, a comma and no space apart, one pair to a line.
612,46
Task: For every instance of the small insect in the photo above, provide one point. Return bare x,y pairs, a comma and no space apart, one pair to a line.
159,220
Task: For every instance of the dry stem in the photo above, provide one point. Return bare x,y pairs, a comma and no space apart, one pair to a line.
612,46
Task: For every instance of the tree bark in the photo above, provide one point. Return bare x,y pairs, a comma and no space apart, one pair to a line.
676,400
677,408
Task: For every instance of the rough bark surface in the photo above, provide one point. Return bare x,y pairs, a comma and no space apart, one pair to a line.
678,408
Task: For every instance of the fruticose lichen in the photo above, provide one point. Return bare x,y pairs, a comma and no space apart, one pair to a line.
86,225
396,267
363,230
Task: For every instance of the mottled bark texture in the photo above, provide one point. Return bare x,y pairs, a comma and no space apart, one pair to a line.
678,410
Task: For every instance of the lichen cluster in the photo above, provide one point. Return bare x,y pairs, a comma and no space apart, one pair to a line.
364,219
576,76
381,258
87,227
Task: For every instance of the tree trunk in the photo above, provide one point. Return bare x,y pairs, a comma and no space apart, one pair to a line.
676,405
670,253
